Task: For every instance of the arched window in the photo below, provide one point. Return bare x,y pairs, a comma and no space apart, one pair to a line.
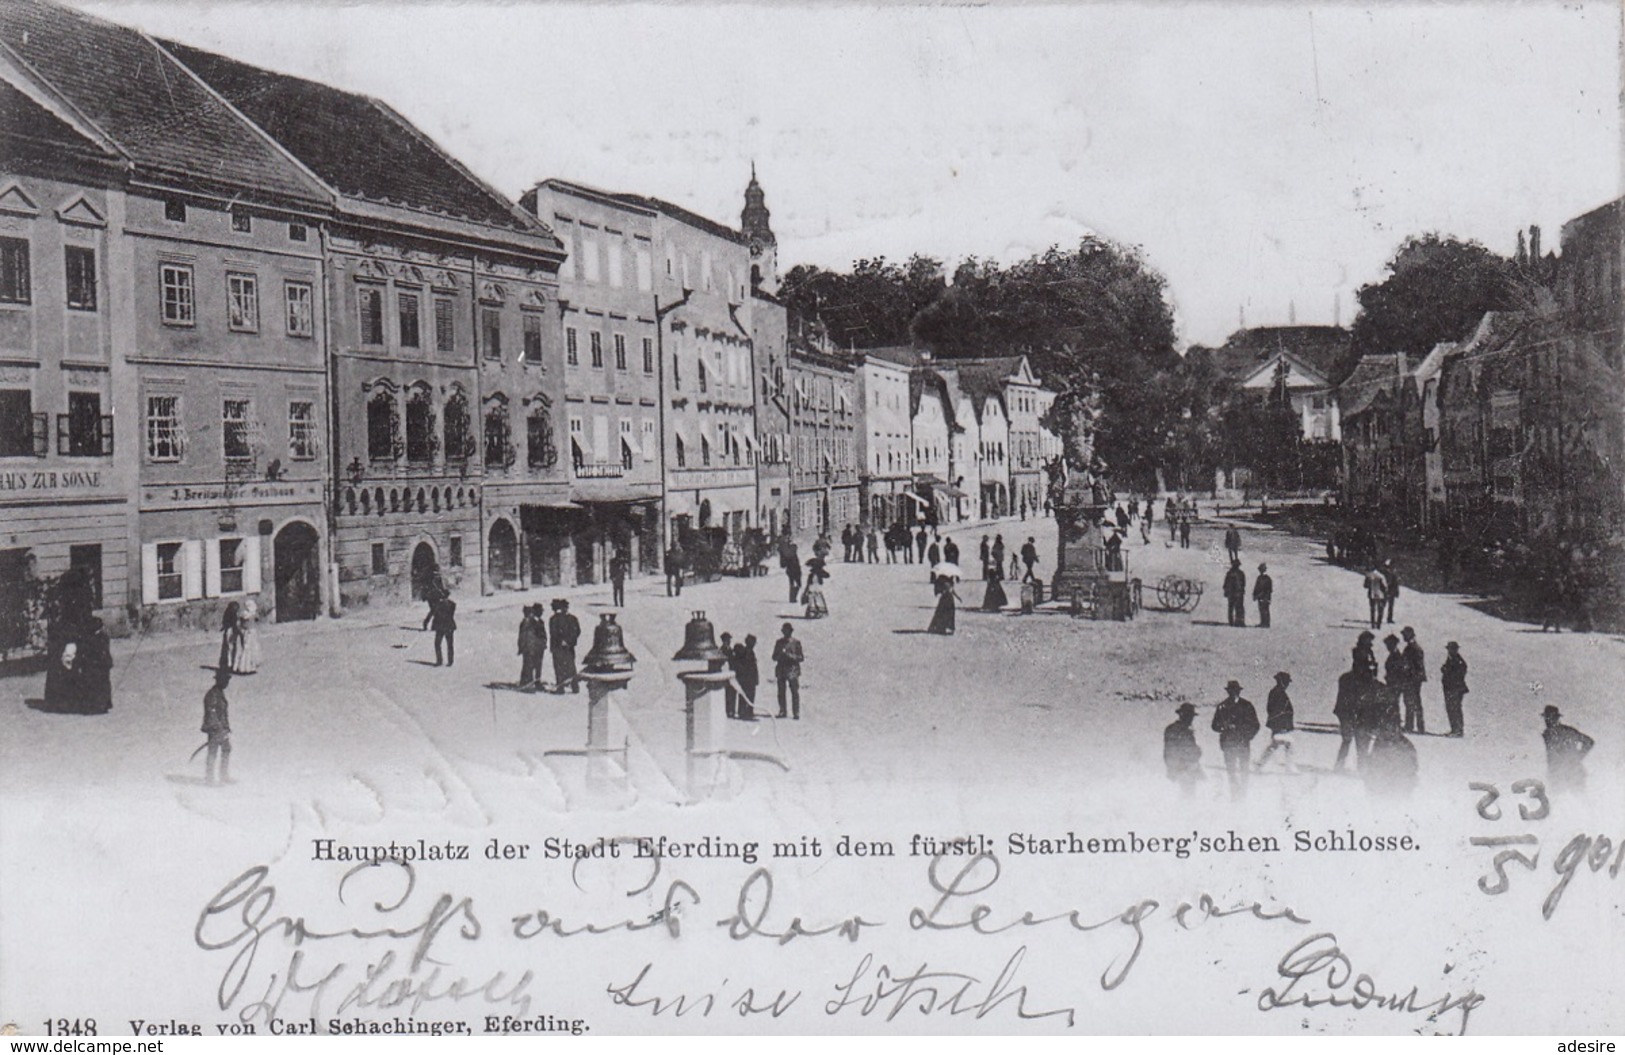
383,426
499,452
705,451
420,434
682,453
626,456
541,449
459,439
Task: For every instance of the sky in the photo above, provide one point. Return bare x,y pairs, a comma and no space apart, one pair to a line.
1266,159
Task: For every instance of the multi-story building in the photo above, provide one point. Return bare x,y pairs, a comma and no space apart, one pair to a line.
703,283
824,427
442,330
1050,444
1304,359
964,445
931,429
770,349
67,470
885,445
611,386
214,295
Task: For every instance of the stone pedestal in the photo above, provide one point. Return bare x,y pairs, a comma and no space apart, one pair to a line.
706,726
606,730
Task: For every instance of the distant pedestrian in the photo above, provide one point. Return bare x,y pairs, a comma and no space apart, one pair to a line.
1396,670
1029,557
997,552
788,656
217,724
1263,591
1145,525
1184,530
1235,593
1390,580
1353,688
749,676
950,551
813,596
1170,516
1453,680
933,557
532,647
790,561
1236,722
1376,595
919,542
618,567
433,590
1232,542
987,554
943,619
846,544
993,597
1278,719
1566,749
1411,690
563,631
1180,753
730,693
675,557
443,621
1122,519
1365,655
873,539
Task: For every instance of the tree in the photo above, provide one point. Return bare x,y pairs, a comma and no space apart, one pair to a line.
1437,289
873,306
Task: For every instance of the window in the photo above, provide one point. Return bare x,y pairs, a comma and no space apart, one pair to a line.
380,558
234,430
615,274
179,305
645,271
498,446
676,372
649,449
171,572
572,350
370,308
83,432
577,437
648,355
80,264
459,443
419,425
16,286
241,221
381,426
702,375
533,337
589,260
243,303
233,559
164,428
627,439
682,453
297,232
620,351
597,342
541,452
454,551
175,211
302,430
705,450
407,305
87,560
491,327
444,339
17,428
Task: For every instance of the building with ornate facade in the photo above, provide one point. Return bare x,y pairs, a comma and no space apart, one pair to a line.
885,435
824,429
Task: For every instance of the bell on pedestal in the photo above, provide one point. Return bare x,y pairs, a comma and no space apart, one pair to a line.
608,654
700,641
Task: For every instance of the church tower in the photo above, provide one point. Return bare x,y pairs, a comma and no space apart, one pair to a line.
764,248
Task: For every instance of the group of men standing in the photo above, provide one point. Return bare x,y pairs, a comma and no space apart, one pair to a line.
1235,593
1235,719
559,636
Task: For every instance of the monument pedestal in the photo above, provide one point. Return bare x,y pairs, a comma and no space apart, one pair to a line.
606,731
706,725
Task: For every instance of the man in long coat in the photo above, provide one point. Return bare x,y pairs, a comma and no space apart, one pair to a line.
1353,688
1453,680
1235,593
1236,722
1376,595
790,561
1566,749
1411,691
564,630
1180,753
532,646
1263,593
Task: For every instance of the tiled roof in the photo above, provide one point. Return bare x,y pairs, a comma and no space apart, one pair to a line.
1371,375
30,131
901,355
356,144
1319,347
127,87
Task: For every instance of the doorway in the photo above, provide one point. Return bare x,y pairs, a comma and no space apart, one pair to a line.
425,571
298,573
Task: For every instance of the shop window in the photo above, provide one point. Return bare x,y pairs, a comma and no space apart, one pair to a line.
233,561
380,558
171,572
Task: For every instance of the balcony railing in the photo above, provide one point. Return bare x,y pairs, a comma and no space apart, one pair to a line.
599,471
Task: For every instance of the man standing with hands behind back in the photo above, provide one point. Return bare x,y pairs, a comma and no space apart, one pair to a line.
787,659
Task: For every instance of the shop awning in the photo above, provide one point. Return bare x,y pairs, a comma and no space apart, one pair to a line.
950,491
551,503
604,496
917,498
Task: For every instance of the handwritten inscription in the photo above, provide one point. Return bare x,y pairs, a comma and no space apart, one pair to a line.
1319,974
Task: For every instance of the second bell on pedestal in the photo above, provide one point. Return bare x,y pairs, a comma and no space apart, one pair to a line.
608,654
700,641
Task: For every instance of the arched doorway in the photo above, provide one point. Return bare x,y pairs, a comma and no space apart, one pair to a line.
504,549
425,571
298,574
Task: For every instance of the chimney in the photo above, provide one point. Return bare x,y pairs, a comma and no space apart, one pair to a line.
1534,243
1337,308
1291,313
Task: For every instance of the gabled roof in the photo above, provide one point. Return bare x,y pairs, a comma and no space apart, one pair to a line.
1371,375
1001,368
140,98
922,379
357,145
1265,371
983,384
1320,348
32,133
900,355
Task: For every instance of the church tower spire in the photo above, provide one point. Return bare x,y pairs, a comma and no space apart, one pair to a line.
764,247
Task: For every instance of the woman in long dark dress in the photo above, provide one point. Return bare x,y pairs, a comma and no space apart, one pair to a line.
993,598
942,621
95,666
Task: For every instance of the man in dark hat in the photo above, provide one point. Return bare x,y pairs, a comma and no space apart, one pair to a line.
748,675
563,631
1396,671
443,621
1566,749
217,724
1411,689
1236,722
532,647
1365,656
1263,591
1390,581
1278,719
1180,752
1235,593
618,567
788,656
730,695
1376,595
1232,542
674,569
1354,687
790,561
1453,680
